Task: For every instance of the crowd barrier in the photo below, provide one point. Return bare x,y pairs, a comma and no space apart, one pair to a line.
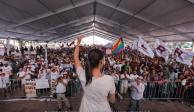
15,89
153,90
166,90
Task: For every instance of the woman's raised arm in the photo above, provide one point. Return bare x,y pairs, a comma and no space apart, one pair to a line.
76,53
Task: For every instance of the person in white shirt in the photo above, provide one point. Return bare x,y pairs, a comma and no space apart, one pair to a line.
124,84
60,91
116,79
42,74
111,61
54,73
2,80
3,84
133,76
115,76
23,75
137,90
7,70
118,65
98,88
68,66
31,73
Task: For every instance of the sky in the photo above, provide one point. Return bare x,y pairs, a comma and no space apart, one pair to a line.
96,40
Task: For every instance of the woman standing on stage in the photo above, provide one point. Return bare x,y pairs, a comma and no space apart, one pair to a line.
98,88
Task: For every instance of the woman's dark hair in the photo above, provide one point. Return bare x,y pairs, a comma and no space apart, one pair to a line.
93,60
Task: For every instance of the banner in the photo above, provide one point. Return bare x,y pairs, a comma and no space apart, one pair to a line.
183,56
144,48
42,83
161,49
30,88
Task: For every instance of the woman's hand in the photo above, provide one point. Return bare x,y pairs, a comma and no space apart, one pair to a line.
79,39
76,52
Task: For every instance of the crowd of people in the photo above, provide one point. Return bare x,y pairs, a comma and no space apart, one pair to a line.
128,69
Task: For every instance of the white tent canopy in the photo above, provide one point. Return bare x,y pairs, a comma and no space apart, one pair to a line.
63,20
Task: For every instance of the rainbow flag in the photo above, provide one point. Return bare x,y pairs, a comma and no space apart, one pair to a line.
118,46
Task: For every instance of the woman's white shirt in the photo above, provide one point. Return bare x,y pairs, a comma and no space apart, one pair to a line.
95,94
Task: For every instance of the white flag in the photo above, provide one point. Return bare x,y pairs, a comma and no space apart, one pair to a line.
162,50
183,56
134,44
144,48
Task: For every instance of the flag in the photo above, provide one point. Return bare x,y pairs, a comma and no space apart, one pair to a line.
183,56
118,46
162,50
144,48
134,45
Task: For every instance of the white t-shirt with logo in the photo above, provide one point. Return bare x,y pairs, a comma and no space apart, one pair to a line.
54,75
60,88
137,90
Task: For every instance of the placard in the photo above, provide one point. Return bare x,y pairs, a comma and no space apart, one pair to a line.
42,83
30,88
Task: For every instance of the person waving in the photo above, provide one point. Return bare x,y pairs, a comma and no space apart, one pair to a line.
98,88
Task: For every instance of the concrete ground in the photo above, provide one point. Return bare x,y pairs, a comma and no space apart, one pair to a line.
47,105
